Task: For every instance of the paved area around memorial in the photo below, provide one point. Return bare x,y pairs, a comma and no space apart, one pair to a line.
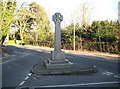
17,66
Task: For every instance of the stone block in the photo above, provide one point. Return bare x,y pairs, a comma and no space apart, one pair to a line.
58,65
58,55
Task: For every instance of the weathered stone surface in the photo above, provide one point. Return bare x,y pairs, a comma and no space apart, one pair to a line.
58,65
58,56
76,69
57,18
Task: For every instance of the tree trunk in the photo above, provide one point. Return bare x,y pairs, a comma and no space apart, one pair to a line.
2,40
81,43
100,44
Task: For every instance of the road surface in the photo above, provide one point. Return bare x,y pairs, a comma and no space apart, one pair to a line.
17,66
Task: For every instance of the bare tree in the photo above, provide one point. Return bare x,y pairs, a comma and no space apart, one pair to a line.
83,17
85,12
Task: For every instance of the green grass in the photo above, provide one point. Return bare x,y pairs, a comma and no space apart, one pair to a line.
11,42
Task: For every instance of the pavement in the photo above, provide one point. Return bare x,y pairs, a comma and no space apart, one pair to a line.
16,70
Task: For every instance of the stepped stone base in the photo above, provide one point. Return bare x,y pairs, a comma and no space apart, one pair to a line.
49,64
44,68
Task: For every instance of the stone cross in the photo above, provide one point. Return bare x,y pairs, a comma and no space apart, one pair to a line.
58,64
57,54
57,60
57,18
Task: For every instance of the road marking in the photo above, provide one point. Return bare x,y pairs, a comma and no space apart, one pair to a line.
107,73
94,58
36,55
6,57
29,74
7,61
24,55
117,76
12,59
19,52
22,83
26,78
84,84
44,51
70,56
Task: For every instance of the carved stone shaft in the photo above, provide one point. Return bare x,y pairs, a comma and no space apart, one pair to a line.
57,18
57,54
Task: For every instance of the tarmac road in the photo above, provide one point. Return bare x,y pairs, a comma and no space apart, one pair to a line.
17,66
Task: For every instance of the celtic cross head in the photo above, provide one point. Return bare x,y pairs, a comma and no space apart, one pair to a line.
57,17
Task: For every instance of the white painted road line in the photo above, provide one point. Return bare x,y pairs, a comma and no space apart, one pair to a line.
93,57
26,77
117,76
24,55
7,57
36,55
12,59
22,83
7,61
29,74
84,84
41,50
19,52
107,73
70,56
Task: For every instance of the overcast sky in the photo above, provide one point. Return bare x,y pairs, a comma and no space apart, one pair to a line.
102,9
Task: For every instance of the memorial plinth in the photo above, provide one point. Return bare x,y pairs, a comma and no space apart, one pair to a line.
58,64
